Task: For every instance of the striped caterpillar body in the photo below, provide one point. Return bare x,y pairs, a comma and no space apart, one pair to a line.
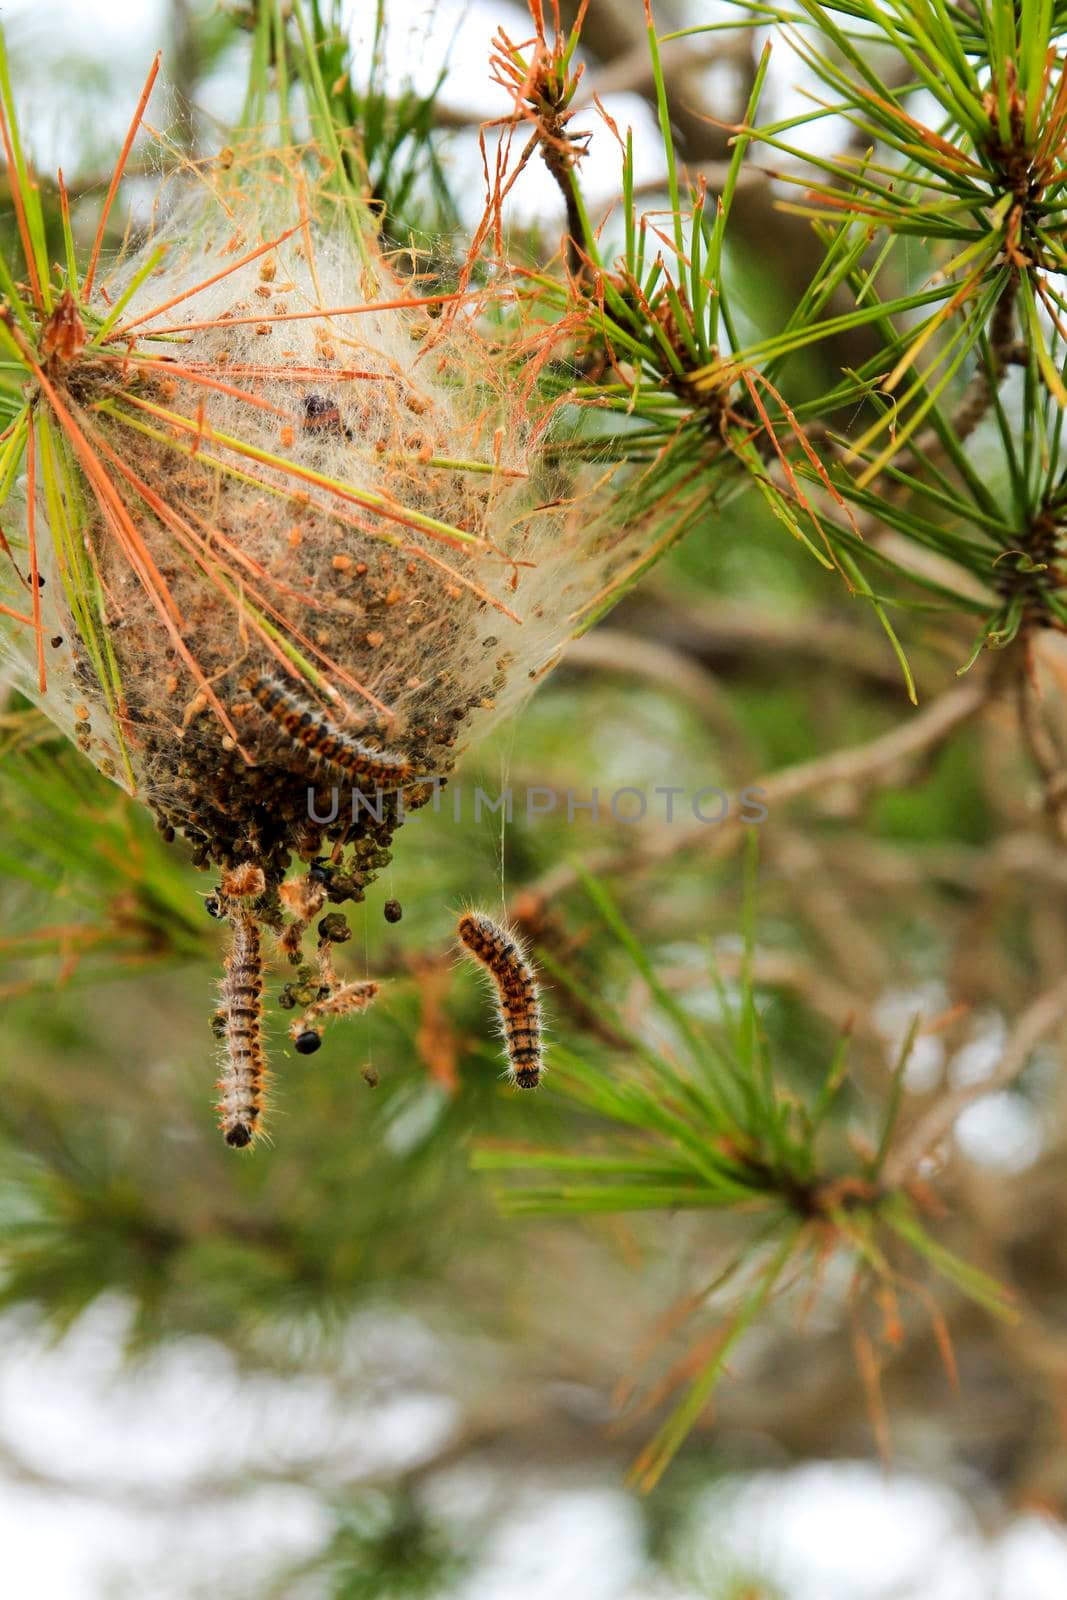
342,1002
378,769
242,1085
505,961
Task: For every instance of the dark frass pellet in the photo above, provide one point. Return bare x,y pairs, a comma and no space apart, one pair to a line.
370,1077
335,929
308,1042
393,910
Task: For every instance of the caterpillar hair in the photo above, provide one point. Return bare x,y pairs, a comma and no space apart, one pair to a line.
242,1084
303,898
244,882
328,979
342,1002
377,769
519,1008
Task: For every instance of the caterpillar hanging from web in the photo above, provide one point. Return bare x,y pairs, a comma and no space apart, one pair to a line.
519,1007
344,1001
243,1081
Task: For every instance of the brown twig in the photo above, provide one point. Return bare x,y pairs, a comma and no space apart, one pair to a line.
1037,1020
861,764
619,653
1043,749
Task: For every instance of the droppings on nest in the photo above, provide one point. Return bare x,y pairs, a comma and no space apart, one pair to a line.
339,554
325,542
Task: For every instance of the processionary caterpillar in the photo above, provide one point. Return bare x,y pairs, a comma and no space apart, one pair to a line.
303,898
242,1085
518,1006
243,882
378,769
342,1002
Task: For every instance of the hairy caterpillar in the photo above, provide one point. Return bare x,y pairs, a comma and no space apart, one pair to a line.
380,769
303,898
519,1008
341,1002
242,1085
243,882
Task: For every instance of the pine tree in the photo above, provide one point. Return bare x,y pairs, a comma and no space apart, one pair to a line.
311,477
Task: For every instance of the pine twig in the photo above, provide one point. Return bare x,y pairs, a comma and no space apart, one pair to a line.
1037,1020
